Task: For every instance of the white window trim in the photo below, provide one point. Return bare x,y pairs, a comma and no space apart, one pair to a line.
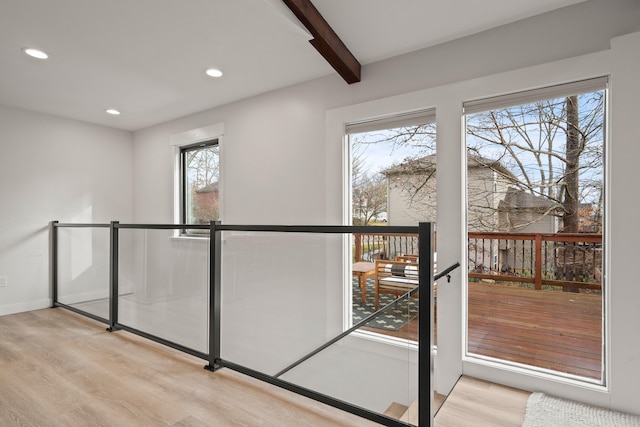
183,139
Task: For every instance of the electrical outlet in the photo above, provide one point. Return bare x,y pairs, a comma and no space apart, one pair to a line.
3,281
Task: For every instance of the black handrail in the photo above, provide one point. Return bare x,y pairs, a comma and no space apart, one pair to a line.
336,229
446,272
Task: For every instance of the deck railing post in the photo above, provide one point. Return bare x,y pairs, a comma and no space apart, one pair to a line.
215,295
538,275
358,249
113,276
53,261
425,330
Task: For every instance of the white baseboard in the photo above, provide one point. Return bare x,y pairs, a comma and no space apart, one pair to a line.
39,304
83,297
21,307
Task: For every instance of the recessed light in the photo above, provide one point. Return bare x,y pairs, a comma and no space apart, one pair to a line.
213,72
113,112
35,53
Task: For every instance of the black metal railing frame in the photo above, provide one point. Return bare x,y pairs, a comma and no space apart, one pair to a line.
214,359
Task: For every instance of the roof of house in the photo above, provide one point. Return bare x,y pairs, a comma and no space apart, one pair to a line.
211,188
412,166
426,163
516,198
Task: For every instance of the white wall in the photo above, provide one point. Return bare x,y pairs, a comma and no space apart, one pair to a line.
282,163
277,167
53,169
624,234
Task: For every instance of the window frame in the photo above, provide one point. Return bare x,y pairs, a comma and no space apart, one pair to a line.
387,120
184,150
185,139
515,98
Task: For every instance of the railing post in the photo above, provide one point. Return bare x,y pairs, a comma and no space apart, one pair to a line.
53,262
113,276
358,240
538,275
425,330
215,294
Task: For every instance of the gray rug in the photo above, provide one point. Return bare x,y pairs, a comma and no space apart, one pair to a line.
548,411
391,320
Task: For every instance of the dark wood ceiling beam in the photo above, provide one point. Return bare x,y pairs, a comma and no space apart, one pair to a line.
325,40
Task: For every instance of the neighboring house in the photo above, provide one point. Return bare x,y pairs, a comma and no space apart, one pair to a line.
494,205
206,204
411,191
523,212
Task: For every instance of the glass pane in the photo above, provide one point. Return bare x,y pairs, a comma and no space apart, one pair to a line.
283,297
535,184
164,286
393,182
83,269
395,275
201,192
368,371
393,176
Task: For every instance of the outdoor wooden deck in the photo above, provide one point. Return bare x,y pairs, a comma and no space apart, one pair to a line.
555,330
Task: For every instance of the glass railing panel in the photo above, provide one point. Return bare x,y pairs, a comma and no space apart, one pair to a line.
83,269
285,295
374,372
164,285
282,295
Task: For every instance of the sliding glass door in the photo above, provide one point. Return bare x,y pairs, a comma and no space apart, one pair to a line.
535,206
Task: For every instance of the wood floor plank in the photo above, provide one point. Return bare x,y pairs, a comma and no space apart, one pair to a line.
61,369
478,403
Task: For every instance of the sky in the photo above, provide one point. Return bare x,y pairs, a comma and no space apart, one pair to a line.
379,156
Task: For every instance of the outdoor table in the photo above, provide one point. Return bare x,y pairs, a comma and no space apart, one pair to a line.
363,270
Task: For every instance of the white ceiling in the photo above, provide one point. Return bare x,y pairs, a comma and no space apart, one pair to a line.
147,57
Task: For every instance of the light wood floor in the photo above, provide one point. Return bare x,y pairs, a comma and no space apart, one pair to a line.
480,403
61,369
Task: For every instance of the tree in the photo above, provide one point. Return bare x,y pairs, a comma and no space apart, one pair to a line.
203,166
369,188
369,193
202,176
554,149
570,202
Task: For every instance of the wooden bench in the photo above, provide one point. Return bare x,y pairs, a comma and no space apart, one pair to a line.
407,258
394,277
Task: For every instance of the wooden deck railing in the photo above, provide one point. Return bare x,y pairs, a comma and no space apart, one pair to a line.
368,247
570,261
566,260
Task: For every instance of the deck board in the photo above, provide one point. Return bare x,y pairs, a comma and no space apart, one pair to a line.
560,331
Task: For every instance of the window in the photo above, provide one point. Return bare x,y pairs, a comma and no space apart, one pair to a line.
393,182
393,169
535,215
200,176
